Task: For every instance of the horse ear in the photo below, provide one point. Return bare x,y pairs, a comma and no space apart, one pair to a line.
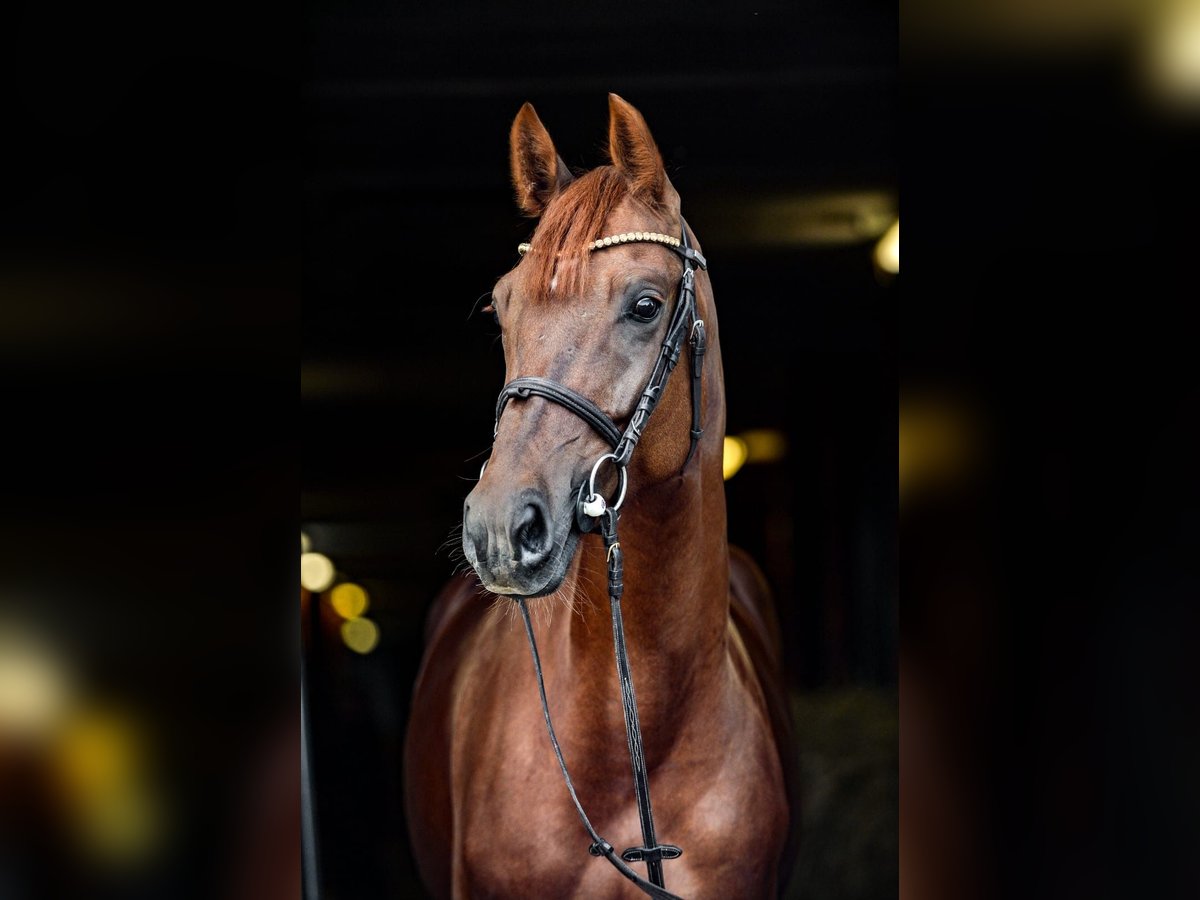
538,172
633,151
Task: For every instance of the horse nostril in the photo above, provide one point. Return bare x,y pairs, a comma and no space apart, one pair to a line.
531,535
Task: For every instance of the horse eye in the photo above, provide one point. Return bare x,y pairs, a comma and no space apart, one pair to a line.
490,309
645,309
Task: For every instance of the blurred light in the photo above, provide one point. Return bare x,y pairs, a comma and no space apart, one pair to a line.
887,251
349,600
937,443
34,688
96,749
764,445
1174,52
305,543
1021,27
316,571
360,635
101,760
734,456
828,219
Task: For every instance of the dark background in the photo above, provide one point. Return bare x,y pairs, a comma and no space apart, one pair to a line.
149,326
777,127
1050,576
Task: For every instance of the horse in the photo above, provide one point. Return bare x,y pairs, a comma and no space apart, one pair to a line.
488,812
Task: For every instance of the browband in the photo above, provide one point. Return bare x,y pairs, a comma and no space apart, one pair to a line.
678,245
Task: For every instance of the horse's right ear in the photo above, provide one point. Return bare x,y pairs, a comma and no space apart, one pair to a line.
538,172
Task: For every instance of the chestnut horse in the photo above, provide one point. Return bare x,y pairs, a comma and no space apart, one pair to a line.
487,807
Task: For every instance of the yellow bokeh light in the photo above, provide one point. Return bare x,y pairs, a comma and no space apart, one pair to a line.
349,600
887,251
316,572
97,749
1174,53
35,690
360,635
937,443
734,456
101,759
764,445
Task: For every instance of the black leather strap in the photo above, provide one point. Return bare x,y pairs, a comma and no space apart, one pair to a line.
689,254
599,846
633,725
699,341
641,854
699,344
682,319
529,385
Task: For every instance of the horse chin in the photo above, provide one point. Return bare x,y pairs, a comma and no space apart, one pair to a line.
546,580
559,566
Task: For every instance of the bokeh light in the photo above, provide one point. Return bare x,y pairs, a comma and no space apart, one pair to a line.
349,600
1173,54
35,690
101,760
764,445
360,635
887,251
734,456
937,442
316,571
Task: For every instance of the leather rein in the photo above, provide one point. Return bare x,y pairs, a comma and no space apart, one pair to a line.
593,510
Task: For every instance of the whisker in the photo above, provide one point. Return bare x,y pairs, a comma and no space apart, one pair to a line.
487,449
475,305
455,533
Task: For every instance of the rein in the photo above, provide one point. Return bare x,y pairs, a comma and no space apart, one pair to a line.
593,510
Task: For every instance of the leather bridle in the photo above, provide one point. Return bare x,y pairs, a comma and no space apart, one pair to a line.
592,509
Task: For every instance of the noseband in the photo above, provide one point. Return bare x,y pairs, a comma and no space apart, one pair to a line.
592,509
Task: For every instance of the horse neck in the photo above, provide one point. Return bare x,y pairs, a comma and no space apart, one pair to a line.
676,597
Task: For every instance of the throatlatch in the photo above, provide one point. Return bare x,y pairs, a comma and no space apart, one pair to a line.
593,510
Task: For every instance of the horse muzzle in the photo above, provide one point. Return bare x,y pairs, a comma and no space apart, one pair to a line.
515,544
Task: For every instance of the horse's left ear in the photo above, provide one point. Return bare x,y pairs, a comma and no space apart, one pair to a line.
632,150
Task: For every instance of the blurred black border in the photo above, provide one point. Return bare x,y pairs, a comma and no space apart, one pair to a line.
1049,598
149,345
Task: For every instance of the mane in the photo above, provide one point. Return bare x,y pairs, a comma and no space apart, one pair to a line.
559,244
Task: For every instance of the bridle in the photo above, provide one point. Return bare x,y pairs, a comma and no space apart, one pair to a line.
592,509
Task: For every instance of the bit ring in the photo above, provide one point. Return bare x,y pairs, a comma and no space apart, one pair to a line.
624,480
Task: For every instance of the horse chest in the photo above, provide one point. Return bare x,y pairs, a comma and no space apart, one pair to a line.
518,835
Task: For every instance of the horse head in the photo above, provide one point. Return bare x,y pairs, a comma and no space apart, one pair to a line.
591,322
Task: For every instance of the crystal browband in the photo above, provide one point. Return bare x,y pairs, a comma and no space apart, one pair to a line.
629,237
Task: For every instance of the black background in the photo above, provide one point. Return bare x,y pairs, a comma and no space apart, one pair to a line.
1050,597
